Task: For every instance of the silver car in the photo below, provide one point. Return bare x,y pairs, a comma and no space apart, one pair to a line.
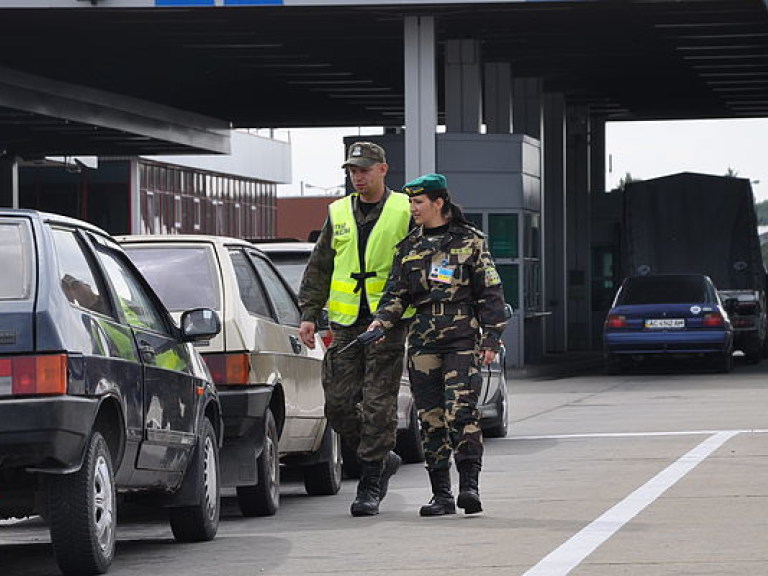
269,382
291,258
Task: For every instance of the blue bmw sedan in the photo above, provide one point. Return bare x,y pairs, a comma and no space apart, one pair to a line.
667,315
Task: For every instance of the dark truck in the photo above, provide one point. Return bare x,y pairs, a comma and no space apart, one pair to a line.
692,223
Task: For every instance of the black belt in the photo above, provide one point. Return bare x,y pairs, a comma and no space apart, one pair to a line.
361,277
446,308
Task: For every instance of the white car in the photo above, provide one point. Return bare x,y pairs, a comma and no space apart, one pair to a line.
268,381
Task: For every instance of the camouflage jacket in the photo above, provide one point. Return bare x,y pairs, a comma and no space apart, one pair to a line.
452,282
316,282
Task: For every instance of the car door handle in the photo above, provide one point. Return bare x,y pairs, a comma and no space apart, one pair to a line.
147,352
295,344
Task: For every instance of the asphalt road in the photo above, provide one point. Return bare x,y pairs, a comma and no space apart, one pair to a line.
648,474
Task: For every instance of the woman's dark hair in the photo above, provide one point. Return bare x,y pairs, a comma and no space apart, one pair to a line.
452,211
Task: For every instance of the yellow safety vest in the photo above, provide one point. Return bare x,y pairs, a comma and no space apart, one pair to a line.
390,228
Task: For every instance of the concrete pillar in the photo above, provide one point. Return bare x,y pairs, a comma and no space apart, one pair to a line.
497,98
578,230
597,154
420,96
527,106
9,181
462,86
597,191
554,227
135,192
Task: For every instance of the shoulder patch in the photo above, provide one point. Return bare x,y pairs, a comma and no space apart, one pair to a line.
491,276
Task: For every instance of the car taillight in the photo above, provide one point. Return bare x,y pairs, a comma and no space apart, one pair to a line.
327,337
743,321
229,369
746,308
616,321
43,374
713,320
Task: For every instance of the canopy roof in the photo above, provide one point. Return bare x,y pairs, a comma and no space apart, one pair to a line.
297,66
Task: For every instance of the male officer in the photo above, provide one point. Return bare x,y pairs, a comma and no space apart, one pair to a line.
347,272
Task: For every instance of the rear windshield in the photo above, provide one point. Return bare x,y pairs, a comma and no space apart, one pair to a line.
291,266
16,254
184,277
664,290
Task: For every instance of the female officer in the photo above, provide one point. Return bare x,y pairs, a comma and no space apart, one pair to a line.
443,268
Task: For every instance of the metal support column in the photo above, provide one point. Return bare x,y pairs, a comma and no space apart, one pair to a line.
420,96
497,98
578,228
527,106
9,181
463,86
554,224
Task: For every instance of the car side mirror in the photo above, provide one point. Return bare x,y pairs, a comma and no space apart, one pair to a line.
508,311
199,324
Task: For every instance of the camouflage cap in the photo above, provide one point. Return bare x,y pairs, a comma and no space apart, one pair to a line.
426,183
364,155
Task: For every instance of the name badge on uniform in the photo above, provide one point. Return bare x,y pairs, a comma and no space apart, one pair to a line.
442,273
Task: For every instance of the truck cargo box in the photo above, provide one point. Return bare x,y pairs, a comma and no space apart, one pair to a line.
693,223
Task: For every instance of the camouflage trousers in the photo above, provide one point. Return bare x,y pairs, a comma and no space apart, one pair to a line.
361,388
445,388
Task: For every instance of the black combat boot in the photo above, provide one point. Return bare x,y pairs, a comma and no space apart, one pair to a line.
367,501
389,468
469,496
442,500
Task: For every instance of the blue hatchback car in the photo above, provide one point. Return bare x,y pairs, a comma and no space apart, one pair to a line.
666,315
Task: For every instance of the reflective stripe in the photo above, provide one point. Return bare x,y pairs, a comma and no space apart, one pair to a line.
341,286
334,306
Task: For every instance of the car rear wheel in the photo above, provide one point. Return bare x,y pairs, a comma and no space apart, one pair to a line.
200,522
500,427
83,513
613,364
263,499
408,444
724,363
753,349
324,478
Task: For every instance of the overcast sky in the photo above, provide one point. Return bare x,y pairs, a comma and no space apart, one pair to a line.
642,149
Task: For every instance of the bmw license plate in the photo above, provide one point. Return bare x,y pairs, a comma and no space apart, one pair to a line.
665,323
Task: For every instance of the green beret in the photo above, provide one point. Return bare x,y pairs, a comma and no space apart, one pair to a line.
426,183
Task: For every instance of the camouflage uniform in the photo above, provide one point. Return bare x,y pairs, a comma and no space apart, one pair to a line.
453,284
361,385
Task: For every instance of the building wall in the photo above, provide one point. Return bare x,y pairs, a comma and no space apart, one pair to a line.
178,200
298,216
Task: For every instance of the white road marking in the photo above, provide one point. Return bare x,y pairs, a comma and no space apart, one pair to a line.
571,553
634,434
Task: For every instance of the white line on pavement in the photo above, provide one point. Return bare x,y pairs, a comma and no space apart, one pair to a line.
634,434
571,553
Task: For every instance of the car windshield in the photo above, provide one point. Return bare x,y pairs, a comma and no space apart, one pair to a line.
16,254
183,276
663,290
